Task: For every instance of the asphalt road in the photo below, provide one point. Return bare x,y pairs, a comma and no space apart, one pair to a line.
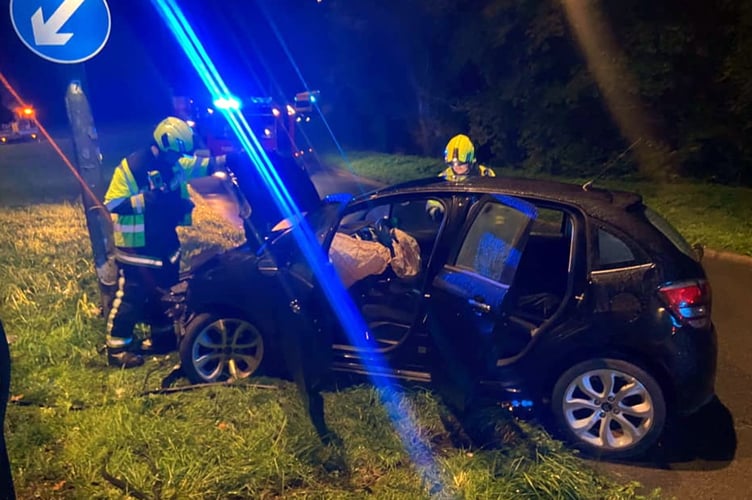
707,456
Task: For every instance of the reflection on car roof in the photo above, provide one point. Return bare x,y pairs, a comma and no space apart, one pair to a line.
590,200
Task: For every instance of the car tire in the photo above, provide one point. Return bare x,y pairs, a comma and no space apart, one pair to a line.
219,348
609,408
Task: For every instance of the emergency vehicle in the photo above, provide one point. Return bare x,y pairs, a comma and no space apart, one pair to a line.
274,124
22,127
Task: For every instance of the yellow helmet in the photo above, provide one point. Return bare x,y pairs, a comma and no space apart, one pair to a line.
459,150
173,134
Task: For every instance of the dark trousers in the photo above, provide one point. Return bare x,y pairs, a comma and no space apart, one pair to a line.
139,300
6,479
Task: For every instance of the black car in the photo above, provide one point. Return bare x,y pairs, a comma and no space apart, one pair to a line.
581,299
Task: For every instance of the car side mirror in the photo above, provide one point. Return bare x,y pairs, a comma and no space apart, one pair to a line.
267,266
699,250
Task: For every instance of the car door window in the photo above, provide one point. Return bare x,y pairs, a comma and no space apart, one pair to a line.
384,275
490,246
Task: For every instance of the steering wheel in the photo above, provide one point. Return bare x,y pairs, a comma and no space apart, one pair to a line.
383,232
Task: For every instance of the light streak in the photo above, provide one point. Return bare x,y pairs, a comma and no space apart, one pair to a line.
84,186
341,303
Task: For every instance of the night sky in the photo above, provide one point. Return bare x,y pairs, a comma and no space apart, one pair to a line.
133,77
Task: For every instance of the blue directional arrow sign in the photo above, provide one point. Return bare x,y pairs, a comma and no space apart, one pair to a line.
62,31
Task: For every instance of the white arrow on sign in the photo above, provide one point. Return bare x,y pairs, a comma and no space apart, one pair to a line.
47,33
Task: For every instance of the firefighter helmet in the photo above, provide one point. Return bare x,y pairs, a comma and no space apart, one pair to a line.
459,150
173,134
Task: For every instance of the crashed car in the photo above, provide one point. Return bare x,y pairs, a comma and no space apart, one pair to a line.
580,300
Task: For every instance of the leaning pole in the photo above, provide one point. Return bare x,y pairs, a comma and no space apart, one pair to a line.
89,165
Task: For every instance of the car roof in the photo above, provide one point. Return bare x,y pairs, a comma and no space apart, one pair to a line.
592,200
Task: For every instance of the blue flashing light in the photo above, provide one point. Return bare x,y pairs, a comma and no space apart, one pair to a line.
229,103
349,317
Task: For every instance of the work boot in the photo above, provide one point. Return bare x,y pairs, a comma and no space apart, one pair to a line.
123,359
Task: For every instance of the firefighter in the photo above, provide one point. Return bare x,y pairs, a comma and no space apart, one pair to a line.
148,198
459,156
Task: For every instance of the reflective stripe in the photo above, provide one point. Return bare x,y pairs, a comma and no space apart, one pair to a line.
117,342
128,228
116,302
111,341
138,260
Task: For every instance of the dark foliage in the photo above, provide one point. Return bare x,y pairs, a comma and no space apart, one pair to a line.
512,74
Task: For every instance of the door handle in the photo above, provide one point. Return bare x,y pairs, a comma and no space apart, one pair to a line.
480,306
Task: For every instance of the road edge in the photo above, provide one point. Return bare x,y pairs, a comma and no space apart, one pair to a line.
728,256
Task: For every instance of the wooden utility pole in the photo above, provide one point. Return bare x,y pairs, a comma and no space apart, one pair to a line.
89,165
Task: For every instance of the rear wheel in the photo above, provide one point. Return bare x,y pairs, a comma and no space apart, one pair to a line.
609,408
218,348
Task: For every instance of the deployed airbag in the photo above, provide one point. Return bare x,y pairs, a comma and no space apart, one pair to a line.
354,258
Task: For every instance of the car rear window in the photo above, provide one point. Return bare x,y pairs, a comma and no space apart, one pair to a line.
670,232
612,251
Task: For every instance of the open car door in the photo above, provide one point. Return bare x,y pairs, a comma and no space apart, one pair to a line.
468,293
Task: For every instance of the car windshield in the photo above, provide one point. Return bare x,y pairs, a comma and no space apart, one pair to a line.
322,220
670,232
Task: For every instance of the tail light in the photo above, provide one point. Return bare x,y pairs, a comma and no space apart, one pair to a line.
689,302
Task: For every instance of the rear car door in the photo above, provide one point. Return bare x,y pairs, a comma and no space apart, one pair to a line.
468,292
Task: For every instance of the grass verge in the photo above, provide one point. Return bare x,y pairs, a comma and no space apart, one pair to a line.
77,428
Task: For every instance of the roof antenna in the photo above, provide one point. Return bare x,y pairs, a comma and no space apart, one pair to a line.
607,165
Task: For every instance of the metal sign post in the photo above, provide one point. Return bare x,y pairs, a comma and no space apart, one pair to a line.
71,32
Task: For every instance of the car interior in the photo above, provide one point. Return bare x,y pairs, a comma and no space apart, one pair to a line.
388,302
541,282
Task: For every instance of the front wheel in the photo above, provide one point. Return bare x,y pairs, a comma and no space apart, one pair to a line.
609,408
217,348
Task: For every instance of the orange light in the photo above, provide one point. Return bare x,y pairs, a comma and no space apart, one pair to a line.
84,186
28,111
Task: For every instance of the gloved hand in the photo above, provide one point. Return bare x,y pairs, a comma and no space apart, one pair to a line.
384,235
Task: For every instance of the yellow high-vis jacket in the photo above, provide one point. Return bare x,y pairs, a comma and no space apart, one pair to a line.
141,236
481,171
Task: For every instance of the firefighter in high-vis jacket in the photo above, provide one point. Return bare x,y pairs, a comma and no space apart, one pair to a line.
459,156
148,198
